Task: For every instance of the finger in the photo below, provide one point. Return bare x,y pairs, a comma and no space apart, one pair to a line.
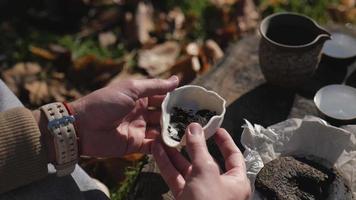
173,178
178,160
146,147
152,132
156,101
153,117
234,160
136,134
197,148
151,87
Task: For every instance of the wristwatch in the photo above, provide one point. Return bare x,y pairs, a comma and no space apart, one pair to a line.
61,127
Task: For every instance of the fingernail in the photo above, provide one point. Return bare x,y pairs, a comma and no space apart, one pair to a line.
195,129
173,78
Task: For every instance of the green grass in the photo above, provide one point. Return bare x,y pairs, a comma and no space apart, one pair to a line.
15,44
90,46
316,9
124,188
194,9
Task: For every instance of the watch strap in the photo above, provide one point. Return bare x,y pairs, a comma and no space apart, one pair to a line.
61,127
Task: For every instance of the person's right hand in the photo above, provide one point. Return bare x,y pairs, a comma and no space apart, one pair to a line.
201,179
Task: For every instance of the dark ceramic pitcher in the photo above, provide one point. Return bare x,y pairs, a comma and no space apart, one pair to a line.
290,48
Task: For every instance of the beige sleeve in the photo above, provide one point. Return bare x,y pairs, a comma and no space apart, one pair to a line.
22,156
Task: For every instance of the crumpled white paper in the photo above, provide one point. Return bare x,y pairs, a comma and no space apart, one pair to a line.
308,137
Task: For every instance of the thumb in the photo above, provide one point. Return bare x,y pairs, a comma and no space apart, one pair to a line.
196,146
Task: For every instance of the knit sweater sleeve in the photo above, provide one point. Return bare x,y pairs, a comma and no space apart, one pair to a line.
22,156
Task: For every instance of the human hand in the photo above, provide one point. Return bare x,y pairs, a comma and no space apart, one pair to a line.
201,179
115,120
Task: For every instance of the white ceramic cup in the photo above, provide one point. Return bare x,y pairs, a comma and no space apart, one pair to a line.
194,98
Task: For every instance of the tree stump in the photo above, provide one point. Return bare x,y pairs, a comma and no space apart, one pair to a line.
238,79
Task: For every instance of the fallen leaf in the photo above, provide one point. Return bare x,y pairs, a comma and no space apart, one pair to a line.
183,68
192,49
83,62
57,91
133,157
144,22
348,3
249,17
58,76
221,3
351,15
101,21
196,63
162,26
106,39
130,30
342,14
159,59
19,74
126,75
42,53
213,51
109,65
100,2
38,92
63,57
74,94
271,3
178,18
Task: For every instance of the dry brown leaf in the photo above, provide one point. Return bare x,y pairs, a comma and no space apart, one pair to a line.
162,26
100,2
183,69
160,58
213,51
341,13
178,18
130,29
107,38
348,3
133,157
57,90
192,49
248,19
196,63
38,92
144,22
58,76
83,62
109,65
19,74
103,20
126,75
63,57
42,53
221,3
74,94
351,16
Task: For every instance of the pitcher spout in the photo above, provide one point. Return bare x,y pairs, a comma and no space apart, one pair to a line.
323,35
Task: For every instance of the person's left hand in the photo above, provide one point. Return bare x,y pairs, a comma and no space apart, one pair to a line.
115,120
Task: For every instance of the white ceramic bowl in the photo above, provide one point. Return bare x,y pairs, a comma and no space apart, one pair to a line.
195,98
337,102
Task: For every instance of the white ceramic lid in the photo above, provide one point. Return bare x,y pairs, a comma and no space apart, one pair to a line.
340,46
